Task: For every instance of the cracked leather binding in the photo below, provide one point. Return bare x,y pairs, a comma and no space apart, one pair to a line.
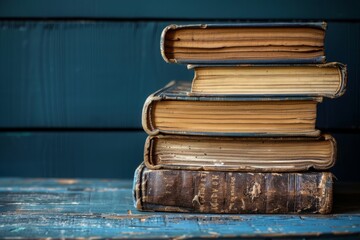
232,192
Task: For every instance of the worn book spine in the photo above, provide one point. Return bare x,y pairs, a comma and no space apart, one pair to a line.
232,192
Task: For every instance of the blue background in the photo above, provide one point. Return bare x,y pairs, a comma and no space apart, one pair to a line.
75,74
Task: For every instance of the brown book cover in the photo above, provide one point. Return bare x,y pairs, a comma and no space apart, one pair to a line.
172,110
232,192
245,154
267,42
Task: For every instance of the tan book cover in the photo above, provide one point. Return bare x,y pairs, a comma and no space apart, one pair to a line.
291,42
325,80
172,110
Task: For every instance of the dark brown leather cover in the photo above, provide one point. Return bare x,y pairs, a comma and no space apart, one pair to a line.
232,192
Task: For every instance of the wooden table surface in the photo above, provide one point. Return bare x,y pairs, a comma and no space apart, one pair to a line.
74,208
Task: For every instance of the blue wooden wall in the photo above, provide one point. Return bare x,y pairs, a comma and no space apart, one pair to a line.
75,74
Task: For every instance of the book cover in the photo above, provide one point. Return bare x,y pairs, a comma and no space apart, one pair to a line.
245,154
281,42
324,80
172,110
232,192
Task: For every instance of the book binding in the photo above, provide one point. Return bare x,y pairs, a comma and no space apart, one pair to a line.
232,192
179,91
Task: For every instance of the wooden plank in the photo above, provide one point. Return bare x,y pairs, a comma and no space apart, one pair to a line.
111,154
347,163
79,74
186,9
86,74
73,208
343,112
71,154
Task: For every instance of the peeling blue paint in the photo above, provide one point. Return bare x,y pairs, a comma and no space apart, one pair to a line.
69,208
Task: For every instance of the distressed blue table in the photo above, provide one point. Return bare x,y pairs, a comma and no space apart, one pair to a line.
72,208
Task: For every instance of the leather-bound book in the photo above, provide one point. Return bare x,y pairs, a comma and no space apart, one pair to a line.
232,192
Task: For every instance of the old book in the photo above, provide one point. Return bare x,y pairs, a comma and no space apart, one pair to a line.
171,110
244,43
328,80
250,154
232,192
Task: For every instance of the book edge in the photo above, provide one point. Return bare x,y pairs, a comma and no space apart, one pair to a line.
320,25
146,111
340,91
150,164
137,187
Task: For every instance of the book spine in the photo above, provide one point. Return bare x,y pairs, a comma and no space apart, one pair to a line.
343,80
146,117
232,192
162,43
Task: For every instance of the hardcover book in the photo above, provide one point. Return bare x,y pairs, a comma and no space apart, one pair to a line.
243,154
244,43
171,110
327,80
232,192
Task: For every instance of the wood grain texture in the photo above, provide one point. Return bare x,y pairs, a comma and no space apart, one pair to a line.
343,112
71,154
73,208
87,74
79,73
186,9
346,166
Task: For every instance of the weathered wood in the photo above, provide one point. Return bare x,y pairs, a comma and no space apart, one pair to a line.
72,208
185,9
340,46
79,74
71,154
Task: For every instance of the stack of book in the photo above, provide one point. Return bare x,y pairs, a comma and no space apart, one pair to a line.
241,138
